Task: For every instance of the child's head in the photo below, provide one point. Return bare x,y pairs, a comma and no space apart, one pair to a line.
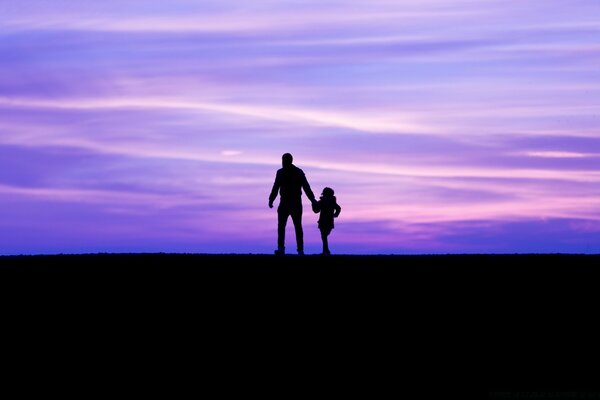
327,192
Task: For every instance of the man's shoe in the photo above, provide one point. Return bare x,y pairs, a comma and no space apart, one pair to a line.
279,252
300,252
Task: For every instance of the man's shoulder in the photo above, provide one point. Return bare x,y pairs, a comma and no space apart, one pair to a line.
291,169
298,170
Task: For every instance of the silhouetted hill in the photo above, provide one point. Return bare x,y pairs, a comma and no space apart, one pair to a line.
504,279
481,321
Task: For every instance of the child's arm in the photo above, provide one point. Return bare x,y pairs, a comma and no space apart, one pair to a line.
338,210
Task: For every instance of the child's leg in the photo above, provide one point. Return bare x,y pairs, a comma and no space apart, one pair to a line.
324,234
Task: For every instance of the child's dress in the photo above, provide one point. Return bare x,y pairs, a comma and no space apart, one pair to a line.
329,210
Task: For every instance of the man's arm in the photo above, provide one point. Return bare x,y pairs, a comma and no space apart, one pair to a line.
307,190
275,190
338,210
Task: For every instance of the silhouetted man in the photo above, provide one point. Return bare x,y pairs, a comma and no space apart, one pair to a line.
289,182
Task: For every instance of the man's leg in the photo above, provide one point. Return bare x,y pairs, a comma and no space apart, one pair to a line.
297,220
282,217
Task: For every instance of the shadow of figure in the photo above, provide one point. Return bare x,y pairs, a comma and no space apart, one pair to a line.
289,183
329,209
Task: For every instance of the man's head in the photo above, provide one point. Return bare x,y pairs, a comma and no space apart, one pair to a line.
286,159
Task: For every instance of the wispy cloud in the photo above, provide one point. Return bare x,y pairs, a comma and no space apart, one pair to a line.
559,154
276,113
237,19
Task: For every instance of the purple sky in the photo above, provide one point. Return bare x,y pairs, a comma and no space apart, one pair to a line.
444,126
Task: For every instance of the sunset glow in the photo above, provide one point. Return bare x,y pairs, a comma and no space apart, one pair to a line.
158,126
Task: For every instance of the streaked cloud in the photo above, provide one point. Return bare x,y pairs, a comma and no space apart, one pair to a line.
231,153
559,154
276,113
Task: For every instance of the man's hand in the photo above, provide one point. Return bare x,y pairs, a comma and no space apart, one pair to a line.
270,204
315,206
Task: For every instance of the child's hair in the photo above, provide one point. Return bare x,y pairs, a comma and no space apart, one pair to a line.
328,192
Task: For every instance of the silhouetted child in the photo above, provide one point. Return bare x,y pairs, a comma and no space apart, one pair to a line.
329,209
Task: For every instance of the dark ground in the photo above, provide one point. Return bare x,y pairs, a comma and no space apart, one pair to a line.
365,325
